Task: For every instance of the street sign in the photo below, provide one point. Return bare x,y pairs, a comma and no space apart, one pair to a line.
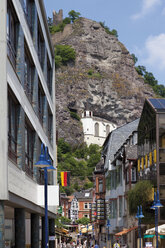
148,245
51,238
116,245
60,210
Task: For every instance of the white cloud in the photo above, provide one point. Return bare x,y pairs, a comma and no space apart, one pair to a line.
147,6
155,48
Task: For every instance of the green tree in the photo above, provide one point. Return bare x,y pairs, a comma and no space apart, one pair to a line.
74,15
66,52
83,221
141,194
135,59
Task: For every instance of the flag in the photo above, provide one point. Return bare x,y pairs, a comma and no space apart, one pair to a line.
155,156
150,156
146,161
138,164
65,178
142,163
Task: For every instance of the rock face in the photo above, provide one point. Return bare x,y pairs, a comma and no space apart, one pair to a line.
103,80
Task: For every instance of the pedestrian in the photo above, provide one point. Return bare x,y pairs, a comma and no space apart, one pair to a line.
96,246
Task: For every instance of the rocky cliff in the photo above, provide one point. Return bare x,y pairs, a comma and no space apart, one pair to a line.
102,79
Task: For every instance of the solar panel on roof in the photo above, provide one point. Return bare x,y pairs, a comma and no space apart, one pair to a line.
156,104
162,102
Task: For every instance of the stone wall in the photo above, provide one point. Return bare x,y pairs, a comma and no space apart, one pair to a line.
59,36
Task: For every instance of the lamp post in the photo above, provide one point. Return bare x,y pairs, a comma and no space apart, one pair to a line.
108,226
139,216
45,163
155,206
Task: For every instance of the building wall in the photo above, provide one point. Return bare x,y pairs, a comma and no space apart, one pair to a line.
13,78
89,123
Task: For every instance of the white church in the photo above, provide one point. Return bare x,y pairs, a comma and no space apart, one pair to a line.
95,129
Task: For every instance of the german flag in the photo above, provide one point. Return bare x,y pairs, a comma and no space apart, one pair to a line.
65,178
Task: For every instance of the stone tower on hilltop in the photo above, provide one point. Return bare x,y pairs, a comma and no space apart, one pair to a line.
57,17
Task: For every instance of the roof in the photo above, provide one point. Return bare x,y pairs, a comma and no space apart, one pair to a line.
131,152
157,103
100,165
84,194
117,138
70,198
125,231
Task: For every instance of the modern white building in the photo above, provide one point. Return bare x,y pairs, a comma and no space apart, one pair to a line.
95,129
27,107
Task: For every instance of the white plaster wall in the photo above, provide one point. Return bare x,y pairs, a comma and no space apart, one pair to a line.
89,130
3,104
23,186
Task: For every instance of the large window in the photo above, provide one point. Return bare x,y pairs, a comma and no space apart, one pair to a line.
41,46
27,7
12,23
50,123
29,148
49,75
13,110
41,100
28,75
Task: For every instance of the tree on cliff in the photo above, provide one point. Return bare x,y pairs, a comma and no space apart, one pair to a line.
74,15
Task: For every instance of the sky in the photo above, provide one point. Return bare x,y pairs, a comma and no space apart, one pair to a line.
140,25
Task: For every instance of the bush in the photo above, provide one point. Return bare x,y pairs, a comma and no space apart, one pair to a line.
74,115
107,30
141,194
65,54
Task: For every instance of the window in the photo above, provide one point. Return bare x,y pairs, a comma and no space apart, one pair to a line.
120,206
85,205
100,185
133,174
50,123
96,129
29,147
13,108
27,7
49,75
41,100
28,75
86,215
113,207
11,34
107,130
41,46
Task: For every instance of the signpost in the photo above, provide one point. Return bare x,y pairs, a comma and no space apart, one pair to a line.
116,245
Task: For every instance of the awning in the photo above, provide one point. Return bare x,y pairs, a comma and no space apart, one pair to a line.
161,230
151,236
125,231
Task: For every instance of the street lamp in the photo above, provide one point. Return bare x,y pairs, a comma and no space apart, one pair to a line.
155,206
108,226
139,216
44,162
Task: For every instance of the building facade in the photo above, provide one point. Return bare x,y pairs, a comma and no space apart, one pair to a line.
27,104
95,129
115,171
